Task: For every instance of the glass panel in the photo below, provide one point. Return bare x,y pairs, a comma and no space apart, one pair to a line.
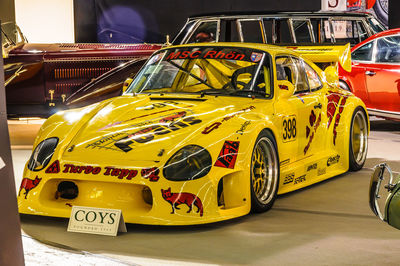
268,29
252,31
228,31
363,34
291,69
313,78
301,31
205,32
388,50
179,37
345,31
364,53
283,32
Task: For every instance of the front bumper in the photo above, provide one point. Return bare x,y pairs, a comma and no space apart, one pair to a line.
143,199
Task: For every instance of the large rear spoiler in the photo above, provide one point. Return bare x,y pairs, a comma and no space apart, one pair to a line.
326,54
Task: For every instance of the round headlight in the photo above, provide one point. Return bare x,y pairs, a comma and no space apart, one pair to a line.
42,154
189,163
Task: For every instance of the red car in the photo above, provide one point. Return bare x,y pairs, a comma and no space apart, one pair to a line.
375,74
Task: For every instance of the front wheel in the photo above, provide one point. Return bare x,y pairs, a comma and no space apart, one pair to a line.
264,173
358,140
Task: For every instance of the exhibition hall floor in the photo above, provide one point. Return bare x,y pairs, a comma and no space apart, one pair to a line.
326,224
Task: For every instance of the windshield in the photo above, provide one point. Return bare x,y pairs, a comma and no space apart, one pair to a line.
205,70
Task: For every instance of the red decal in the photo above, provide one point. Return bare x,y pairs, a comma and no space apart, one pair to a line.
176,199
172,117
227,156
211,128
314,124
28,185
151,174
210,54
54,168
226,118
333,104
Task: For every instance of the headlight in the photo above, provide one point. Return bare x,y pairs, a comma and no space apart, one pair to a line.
189,163
42,154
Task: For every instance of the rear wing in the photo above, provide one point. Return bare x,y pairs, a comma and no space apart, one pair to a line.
326,54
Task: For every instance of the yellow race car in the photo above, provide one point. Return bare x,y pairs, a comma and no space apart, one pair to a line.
204,133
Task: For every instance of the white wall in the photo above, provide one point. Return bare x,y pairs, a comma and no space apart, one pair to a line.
46,21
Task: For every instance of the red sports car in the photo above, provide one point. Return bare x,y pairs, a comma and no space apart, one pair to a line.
375,74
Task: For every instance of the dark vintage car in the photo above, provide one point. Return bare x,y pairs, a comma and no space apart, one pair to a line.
384,195
263,27
39,77
280,27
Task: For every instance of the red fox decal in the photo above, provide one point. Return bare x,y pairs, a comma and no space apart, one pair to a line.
176,199
28,185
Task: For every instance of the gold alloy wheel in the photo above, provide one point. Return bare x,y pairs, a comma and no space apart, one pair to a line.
264,170
359,137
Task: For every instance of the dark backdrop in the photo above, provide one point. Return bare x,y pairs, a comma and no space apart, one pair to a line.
151,20
394,11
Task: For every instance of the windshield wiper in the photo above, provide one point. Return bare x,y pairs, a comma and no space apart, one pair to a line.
213,92
190,74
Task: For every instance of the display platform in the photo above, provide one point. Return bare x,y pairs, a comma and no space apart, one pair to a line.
329,223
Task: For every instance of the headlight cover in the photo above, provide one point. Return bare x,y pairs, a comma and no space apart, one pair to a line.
189,163
42,154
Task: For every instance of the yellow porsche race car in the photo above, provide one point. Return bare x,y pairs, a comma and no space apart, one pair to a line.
204,133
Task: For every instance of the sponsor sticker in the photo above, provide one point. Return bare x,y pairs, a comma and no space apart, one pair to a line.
333,160
300,179
98,221
255,57
312,167
288,179
321,171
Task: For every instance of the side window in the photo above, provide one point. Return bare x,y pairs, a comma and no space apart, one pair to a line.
291,69
282,31
268,24
345,31
319,30
364,53
362,31
252,31
313,79
229,31
205,32
388,50
301,31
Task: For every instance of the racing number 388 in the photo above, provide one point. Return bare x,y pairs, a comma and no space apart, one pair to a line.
289,130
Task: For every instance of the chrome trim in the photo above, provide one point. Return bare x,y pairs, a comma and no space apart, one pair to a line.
239,29
291,29
382,113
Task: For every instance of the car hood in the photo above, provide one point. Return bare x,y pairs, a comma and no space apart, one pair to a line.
143,127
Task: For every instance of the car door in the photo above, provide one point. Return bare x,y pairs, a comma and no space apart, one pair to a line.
300,114
382,75
361,59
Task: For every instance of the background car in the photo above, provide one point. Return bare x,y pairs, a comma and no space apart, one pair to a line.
374,74
280,27
204,133
390,211
39,77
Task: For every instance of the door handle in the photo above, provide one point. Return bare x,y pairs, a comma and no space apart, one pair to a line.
370,73
318,106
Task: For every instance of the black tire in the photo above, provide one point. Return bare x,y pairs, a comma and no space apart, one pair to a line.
264,186
381,11
358,143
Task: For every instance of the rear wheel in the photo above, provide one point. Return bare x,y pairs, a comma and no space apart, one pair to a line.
358,140
264,173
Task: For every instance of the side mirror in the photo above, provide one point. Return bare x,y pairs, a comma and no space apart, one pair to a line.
286,88
375,186
331,75
127,82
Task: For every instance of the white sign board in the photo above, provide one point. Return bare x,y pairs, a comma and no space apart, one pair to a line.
336,5
2,164
96,221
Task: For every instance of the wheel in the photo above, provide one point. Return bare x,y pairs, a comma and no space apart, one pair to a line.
264,173
358,140
381,9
